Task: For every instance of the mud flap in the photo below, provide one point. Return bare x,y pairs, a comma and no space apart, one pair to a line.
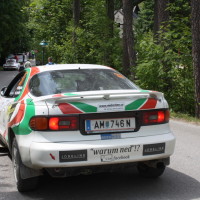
26,172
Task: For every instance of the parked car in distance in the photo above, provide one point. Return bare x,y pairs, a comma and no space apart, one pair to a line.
11,64
72,119
22,58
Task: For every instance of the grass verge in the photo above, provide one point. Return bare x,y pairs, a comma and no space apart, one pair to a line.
184,117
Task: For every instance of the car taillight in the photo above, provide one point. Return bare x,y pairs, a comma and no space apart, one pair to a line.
39,123
63,123
54,123
155,117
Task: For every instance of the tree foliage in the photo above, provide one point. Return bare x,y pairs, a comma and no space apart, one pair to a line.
196,53
53,21
14,37
174,52
90,36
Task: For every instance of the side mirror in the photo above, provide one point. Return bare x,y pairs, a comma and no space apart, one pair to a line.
3,90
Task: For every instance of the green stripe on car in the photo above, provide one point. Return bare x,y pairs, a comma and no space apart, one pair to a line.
84,107
23,128
135,104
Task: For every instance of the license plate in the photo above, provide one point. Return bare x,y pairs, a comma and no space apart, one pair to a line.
110,125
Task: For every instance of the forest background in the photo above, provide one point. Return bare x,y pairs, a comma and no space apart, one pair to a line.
157,50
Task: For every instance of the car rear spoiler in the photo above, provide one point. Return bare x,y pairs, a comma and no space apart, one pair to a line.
100,94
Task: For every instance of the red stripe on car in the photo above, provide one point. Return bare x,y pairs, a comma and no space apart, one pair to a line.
68,108
34,71
58,95
150,103
19,116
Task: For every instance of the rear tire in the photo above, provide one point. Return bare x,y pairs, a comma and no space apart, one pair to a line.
150,172
23,185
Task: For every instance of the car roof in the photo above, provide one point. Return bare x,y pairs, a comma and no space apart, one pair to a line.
71,66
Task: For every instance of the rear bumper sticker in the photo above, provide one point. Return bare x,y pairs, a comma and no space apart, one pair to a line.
73,156
152,149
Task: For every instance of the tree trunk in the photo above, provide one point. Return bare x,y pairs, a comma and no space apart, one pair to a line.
76,12
126,62
161,16
110,15
110,34
76,17
128,38
196,52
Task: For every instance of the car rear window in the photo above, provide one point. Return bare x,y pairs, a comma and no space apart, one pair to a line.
11,61
65,81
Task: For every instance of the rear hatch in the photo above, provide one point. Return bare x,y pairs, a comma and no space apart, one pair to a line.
106,114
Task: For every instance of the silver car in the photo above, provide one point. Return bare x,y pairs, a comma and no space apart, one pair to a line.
11,64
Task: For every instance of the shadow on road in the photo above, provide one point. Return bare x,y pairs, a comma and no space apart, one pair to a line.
125,185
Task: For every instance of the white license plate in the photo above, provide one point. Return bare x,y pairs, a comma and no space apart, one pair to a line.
110,125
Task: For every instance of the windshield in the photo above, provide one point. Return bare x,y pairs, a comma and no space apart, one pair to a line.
65,81
10,61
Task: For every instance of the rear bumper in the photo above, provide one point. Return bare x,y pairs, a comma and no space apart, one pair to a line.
10,67
100,152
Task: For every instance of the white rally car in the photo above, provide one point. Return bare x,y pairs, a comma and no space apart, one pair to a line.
11,64
72,119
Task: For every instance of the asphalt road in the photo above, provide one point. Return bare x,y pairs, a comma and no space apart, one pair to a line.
181,180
